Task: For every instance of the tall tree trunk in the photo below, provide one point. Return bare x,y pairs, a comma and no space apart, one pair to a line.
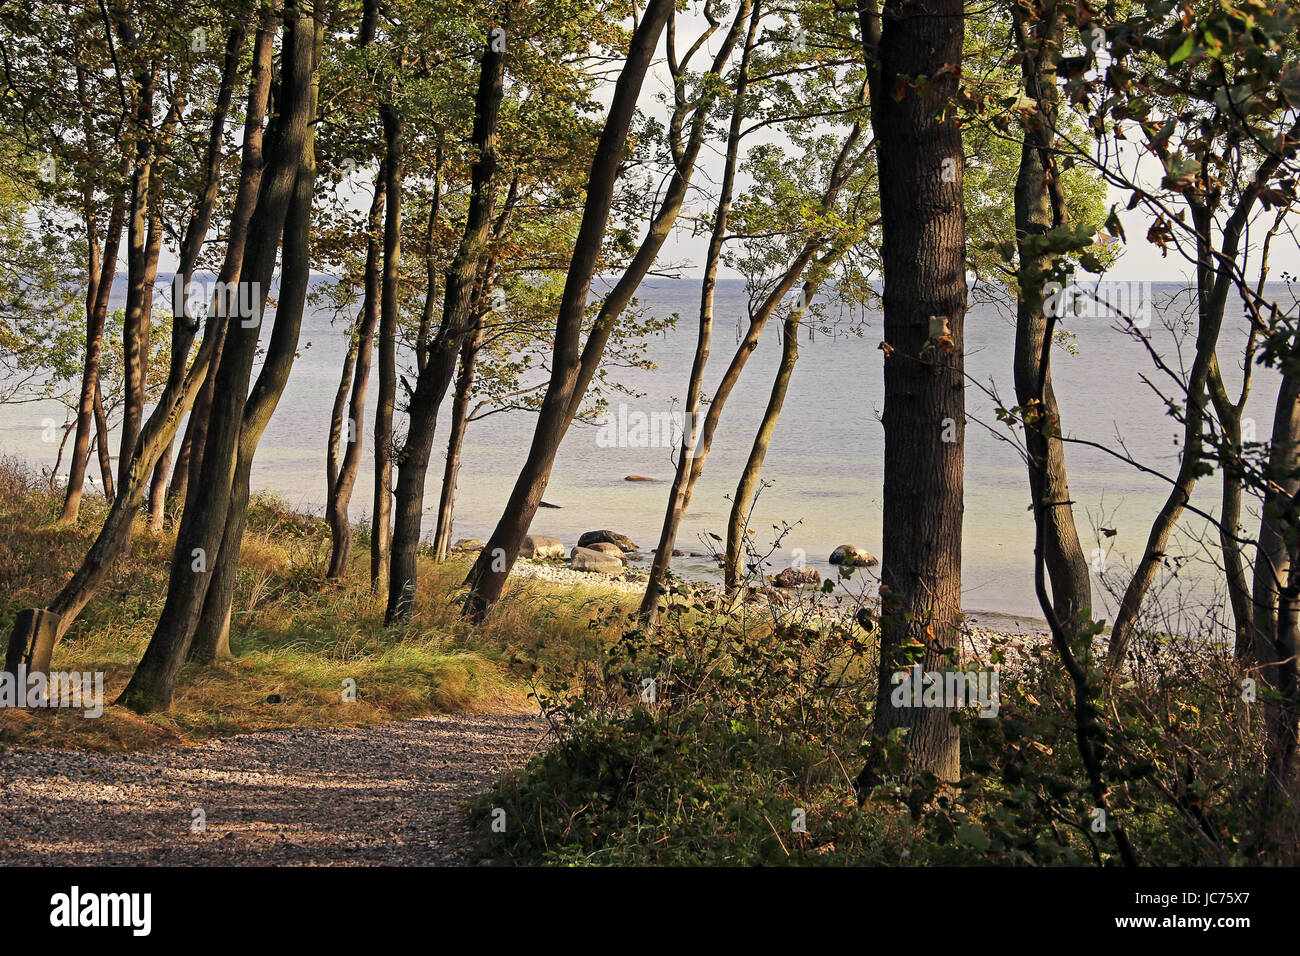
341,484
573,364
680,495
139,289
924,257
1040,207
463,278
381,526
185,327
158,431
189,461
212,635
202,526
335,439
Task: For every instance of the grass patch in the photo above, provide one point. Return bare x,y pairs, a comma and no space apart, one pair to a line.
296,638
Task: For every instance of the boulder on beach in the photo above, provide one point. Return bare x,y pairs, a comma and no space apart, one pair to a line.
541,547
853,556
604,547
797,577
639,478
612,537
468,544
585,559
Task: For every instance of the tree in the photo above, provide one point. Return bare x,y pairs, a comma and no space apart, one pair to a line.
920,162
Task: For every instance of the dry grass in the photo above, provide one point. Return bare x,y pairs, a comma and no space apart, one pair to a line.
296,638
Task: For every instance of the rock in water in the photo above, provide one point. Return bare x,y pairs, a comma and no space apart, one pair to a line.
468,544
639,478
613,537
541,547
795,577
585,559
853,556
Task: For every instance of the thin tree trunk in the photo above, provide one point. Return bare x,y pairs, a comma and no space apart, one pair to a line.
733,571
1216,275
1040,207
139,289
381,527
101,445
344,478
101,272
334,442
463,278
455,439
680,495
574,365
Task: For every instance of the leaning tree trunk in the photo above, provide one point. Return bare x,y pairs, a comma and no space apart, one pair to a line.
924,257
212,635
680,494
463,278
733,572
202,526
101,272
158,431
573,364
189,460
185,327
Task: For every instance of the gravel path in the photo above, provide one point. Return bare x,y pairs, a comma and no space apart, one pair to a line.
388,794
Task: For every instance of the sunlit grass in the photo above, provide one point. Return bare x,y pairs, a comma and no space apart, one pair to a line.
297,639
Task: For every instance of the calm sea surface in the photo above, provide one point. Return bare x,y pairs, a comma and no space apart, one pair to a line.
825,461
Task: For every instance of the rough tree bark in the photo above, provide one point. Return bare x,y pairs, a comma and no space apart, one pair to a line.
921,167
